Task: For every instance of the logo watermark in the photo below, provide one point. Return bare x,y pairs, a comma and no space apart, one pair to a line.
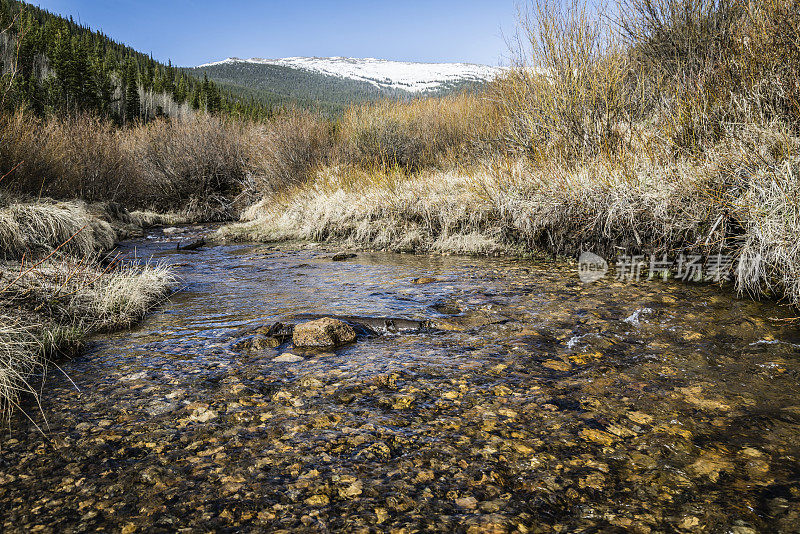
715,268
591,267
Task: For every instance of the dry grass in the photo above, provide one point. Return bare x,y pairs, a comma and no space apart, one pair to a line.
504,206
53,291
51,308
149,219
728,202
390,209
51,252
34,230
54,306
91,297
20,357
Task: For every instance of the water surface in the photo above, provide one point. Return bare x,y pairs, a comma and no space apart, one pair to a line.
537,404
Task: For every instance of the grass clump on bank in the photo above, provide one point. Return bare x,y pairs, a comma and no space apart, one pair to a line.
40,227
667,126
53,290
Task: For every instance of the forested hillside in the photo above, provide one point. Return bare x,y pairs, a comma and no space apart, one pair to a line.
54,65
274,85
279,85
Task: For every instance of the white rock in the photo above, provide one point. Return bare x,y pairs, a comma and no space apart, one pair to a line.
288,357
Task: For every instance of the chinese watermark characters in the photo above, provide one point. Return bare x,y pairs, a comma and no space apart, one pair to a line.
716,268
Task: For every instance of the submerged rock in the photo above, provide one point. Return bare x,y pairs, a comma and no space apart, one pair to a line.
425,280
468,321
281,332
341,256
263,343
557,365
266,337
325,332
446,307
192,244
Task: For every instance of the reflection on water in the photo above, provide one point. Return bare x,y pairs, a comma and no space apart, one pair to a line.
537,404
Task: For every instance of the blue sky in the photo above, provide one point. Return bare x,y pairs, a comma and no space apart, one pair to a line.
190,32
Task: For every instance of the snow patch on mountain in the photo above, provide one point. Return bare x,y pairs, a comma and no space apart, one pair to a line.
408,76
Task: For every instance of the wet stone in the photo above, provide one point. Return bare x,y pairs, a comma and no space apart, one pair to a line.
288,357
325,332
341,256
192,244
557,365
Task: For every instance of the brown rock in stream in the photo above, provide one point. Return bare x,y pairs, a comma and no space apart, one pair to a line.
341,256
325,332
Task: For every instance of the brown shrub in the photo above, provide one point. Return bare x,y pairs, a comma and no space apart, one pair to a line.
419,133
196,164
567,94
286,151
714,65
73,157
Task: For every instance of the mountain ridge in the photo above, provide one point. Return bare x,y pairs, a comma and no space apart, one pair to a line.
408,76
335,83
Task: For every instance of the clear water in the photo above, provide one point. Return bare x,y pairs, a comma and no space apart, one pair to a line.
537,404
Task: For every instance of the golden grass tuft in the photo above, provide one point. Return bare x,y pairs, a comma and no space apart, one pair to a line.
36,229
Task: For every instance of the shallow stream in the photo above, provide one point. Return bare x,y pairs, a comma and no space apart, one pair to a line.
530,402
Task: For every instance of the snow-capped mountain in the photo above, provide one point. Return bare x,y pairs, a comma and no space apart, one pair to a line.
383,74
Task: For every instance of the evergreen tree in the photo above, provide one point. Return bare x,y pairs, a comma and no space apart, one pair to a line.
62,67
132,101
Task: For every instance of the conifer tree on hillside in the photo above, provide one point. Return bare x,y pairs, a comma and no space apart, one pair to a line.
132,100
62,67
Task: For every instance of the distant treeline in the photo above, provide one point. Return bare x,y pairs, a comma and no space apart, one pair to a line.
53,65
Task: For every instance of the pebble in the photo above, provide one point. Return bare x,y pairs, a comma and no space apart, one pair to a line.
288,357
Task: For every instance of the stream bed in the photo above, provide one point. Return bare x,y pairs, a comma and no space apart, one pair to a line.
530,402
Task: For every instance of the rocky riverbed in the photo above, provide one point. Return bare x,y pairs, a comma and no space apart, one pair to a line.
480,395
